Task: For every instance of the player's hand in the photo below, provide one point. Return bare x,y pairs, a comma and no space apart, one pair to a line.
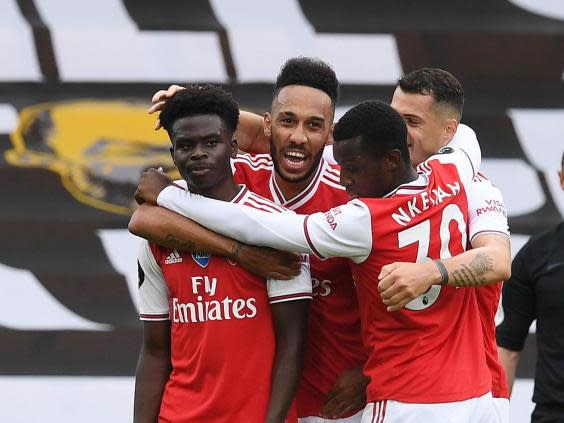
159,99
267,262
402,282
151,184
348,394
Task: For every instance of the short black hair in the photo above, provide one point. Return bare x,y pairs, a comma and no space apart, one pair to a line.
380,127
201,100
438,83
310,72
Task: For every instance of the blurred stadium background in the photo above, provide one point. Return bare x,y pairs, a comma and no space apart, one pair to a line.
75,80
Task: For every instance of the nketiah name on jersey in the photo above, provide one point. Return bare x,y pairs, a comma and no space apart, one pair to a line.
423,201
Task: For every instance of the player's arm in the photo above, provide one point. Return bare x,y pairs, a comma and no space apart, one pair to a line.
172,230
344,231
289,302
484,264
290,322
489,260
509,360
154,364
519,310
153,371
250,134
250,130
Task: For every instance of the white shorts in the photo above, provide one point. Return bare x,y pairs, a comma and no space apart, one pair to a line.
352,419
502,408
473,410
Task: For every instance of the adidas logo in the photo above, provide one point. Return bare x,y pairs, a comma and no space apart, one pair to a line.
173,257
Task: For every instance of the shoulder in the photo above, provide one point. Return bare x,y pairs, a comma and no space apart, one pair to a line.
331,176
482,178
255,201
253,161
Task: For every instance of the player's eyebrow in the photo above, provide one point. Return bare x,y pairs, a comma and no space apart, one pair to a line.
287,113
411,116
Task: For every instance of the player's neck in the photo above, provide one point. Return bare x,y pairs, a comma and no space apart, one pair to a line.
225,190
291,189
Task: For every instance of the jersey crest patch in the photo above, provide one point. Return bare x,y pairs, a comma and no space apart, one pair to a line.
201,258
446,150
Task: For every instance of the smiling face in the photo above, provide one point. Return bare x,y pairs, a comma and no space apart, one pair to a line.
202,148
299,126
430,126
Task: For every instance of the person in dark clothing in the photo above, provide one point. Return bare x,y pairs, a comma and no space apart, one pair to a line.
536,291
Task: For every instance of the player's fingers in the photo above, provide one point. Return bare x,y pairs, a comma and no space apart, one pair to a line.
397,302
330,407
279,276
342,409
400,305
395,298
294,269
158,125
159,95
138,197
290,257
386,270
156,107
173,89
332,393
386,282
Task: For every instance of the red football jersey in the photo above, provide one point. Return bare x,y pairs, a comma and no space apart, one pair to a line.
487,214
432,350
429,351
222,338
334,341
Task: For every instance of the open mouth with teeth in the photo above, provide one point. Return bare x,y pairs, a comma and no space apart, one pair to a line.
294,159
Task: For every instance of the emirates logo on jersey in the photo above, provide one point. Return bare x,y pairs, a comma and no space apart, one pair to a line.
202,259
208,306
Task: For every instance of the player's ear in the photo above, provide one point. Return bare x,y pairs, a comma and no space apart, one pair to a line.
561,176
393,159
330,139
267,124
450,130
234,147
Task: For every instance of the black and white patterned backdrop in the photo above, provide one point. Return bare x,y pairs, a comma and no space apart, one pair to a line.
75,79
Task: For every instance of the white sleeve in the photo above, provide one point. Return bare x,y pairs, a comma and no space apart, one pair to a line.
343,231
486,210
465,139
284,231
298,288
328,154
153,290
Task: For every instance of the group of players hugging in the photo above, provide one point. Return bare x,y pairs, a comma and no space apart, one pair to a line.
312,271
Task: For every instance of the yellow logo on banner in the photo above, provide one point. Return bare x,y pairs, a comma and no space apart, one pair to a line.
100,148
